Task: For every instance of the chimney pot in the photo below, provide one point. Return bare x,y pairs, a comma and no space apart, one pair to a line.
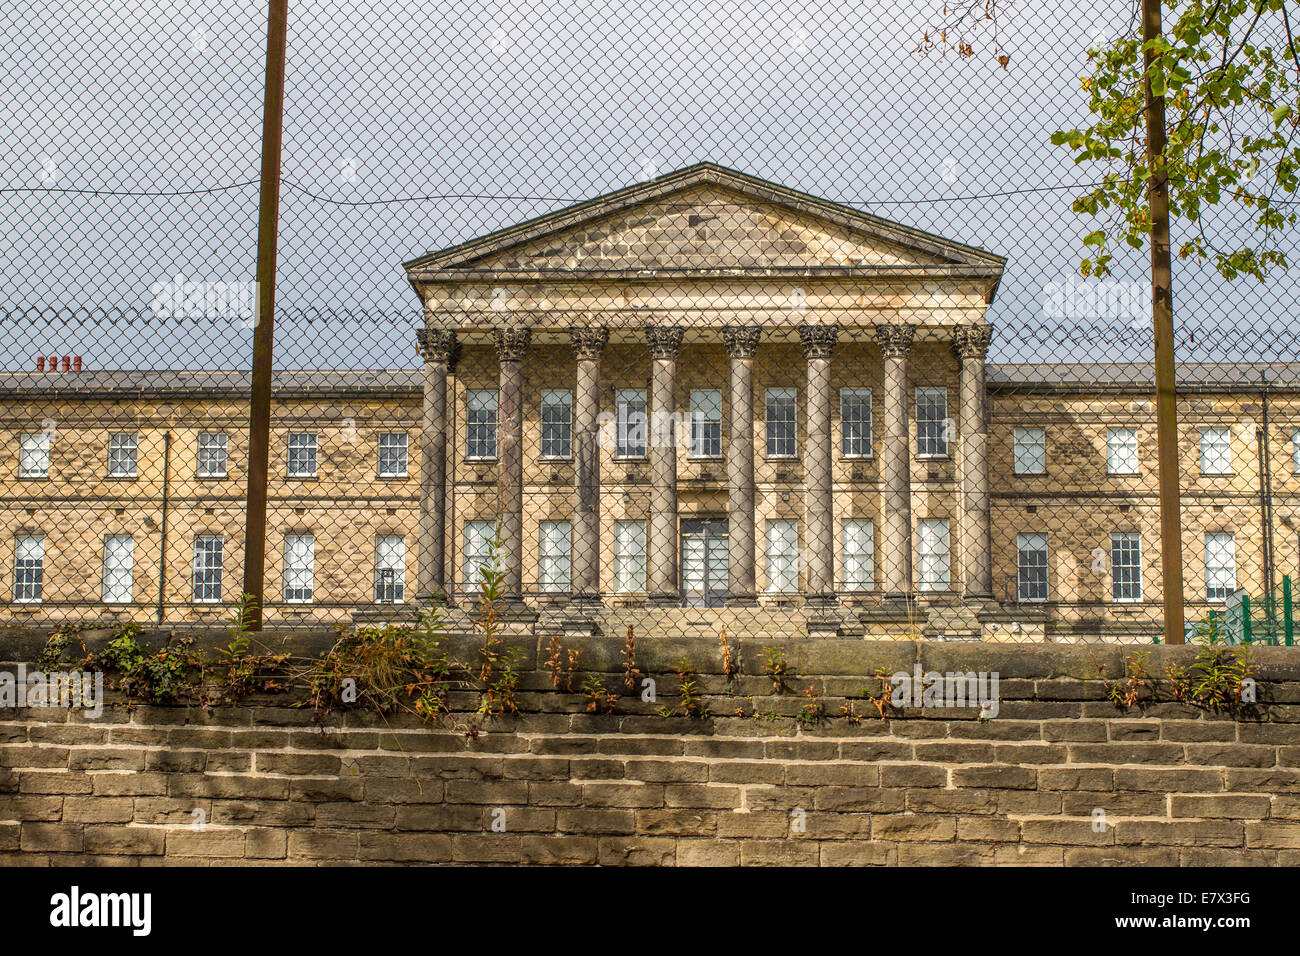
67,363
76,363
40,363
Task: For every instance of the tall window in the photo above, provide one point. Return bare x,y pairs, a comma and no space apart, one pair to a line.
857,554
1030,451
1126,567
855,422
302,455
393,454
934,566
299,567
390,569
629,556
119,568
34,456
706,423
557,423
212,455
632,422
1295,451
1122,451
1220,565
208,552
29,567
1216,451
553,560
1031,567
782,557
481,423
478,553
931,422
122,455
781,413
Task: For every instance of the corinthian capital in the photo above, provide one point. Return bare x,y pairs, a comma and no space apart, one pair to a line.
972,341
511,343
588,342
436,345
895,340
663,340
818,340
741,340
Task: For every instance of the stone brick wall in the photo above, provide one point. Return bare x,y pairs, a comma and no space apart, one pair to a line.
1176,785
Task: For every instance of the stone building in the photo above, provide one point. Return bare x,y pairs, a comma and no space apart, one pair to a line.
586,377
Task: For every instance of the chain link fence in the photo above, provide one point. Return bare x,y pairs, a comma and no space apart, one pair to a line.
764,317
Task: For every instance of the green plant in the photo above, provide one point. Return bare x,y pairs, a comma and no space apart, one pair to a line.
171,674
813,712
599,700
882,701
386,669
55,652
688,688
1215,678
1127,691
775,666
241,672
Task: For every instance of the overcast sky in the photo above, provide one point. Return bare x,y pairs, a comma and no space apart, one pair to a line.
505,111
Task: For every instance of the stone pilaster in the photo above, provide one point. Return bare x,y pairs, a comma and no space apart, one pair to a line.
819,511
741,343
512,347
895,343
971,344
588,346
664,342
438,347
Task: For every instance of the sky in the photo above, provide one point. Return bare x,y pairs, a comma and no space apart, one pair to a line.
409,127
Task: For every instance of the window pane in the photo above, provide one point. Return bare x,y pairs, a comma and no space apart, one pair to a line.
553,556
34,456
1216,451
932,549
390,569
1030,452
855,422
212,455
1122,451
857,546
931,421
783,557
299,567
632,423
478,554
1126,567
781,412
302,454
208,553
557,423
119,567
393,454
1220,565
29,567
481,423
121,455
629,556
706,423
1031,567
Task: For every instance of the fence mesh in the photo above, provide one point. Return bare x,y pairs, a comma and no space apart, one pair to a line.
760,316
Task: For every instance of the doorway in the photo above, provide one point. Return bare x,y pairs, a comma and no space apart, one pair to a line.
704,562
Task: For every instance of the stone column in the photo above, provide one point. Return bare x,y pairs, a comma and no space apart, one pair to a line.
438,347
588,345
512,346
741,342
896,343
664,342
819,502
971,343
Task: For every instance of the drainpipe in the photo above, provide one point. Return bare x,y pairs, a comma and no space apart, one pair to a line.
1266,490
162,525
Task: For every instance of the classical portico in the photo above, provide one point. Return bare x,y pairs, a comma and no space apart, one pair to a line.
708,350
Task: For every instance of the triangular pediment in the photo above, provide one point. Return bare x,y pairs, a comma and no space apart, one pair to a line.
703,220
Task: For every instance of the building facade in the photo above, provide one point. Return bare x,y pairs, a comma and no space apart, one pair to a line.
702,401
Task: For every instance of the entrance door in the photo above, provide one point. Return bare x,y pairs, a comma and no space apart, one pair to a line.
704,562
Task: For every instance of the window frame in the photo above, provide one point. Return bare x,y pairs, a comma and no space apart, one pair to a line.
942,438
108,591
863,397
625,440
308,442
702,429
208,569
398,567
1119,545
562,584
558,430
1210,586
1225,450
1113,448
482,434
221,445
1016,444
787,532
403,447
29,572
131,441
292,575
1031,577
778,396
944,557
477,555
622,557
865,557
42,442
